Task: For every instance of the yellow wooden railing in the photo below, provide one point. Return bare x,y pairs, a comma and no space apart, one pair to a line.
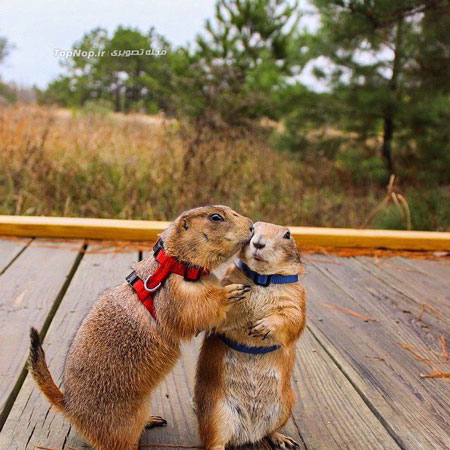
142,230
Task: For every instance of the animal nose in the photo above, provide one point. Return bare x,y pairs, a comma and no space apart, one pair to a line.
259,241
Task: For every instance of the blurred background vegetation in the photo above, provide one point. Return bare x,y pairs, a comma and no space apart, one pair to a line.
148,129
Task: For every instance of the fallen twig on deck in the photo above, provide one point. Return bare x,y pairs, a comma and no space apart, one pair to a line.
436,361
424,305
49,448
40,447
349,311
424,360
427,361
435,375
441,340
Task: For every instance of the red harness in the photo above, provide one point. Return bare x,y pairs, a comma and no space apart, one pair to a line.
167,265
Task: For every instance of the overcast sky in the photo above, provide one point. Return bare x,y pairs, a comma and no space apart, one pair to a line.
37,27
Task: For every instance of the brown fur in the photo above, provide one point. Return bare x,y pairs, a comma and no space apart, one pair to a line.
120,353
39,370
240,397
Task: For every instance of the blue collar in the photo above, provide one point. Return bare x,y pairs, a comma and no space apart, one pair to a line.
265,280
246,348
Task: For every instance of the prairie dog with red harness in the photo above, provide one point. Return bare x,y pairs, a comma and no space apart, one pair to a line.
243,391
121,352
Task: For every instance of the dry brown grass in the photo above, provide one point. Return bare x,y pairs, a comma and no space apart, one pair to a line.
53,162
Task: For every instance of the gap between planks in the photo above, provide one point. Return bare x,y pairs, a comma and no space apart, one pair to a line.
21,285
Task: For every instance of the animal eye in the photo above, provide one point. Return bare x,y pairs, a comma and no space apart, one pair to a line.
216,218
287,235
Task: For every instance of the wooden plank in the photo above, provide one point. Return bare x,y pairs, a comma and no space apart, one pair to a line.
414,410
404,304
71,227
435,268
374,297
329,412
29,290
32,421
10,249
418,286
432,281
172,400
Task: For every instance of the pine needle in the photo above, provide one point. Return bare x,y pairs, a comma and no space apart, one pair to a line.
349,312
40,447
437,372
435,375
431,307
441,340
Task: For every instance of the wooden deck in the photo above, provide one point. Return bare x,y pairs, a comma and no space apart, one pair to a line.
358,369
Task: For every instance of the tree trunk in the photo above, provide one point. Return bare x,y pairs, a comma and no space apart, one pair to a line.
389,113
117,103
386,150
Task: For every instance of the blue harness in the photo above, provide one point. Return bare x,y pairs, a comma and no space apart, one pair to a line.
264,280
260,280
246,348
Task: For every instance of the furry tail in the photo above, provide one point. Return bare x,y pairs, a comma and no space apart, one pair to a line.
39,371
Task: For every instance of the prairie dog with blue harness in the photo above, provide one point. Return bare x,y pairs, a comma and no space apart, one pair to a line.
243,390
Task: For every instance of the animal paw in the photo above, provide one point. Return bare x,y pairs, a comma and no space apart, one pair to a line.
263,328
281,441
155,421
236,292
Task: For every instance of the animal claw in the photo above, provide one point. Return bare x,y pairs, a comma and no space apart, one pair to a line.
280,441
235,297
155,421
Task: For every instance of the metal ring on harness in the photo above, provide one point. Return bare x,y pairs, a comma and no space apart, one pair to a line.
153,289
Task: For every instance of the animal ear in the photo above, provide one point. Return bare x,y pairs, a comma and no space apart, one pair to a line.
183,222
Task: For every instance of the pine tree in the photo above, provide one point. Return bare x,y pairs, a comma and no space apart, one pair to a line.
7,90
387,62
5,48
244,58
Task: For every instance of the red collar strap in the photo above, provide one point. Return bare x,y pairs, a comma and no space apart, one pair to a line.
167,265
